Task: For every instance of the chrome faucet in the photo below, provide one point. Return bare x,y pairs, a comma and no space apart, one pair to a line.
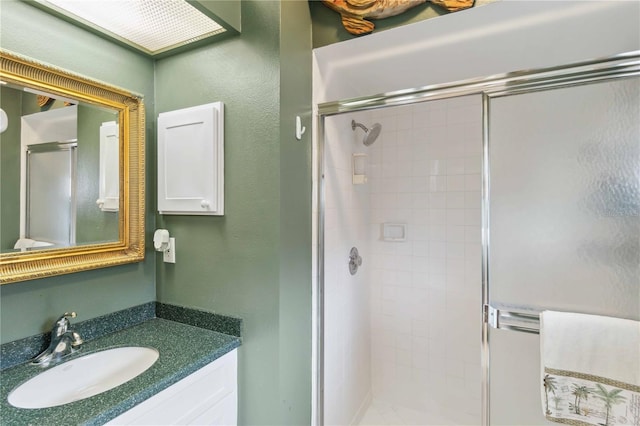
64,341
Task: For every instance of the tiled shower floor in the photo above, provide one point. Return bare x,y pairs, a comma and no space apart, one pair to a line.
382,413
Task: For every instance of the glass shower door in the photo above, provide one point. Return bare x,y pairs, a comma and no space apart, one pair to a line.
51,192
563,224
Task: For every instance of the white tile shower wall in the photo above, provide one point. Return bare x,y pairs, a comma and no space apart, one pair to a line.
347,353
426,292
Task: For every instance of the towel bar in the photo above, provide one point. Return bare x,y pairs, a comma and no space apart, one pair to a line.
513,318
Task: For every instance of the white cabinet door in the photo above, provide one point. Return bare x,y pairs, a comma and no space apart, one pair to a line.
109,200
207,397
191,161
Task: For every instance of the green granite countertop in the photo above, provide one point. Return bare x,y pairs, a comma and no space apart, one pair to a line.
183,350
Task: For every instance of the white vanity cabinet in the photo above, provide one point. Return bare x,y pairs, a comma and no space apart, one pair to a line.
207,397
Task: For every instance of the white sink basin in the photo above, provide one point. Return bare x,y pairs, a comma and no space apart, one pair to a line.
83,377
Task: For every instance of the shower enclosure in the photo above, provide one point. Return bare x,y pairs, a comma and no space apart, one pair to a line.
475,200
410,351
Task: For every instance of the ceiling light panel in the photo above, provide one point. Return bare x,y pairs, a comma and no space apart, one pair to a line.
153,26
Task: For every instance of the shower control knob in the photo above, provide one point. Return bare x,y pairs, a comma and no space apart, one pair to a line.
355,261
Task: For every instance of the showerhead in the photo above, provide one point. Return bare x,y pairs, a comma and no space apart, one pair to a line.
370,135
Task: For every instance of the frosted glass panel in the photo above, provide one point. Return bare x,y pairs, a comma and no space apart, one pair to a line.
565,199
564,170
50,196
515,378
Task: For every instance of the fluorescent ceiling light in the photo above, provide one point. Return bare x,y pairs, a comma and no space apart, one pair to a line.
153,26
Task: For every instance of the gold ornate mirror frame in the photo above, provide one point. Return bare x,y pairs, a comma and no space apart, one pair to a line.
129,248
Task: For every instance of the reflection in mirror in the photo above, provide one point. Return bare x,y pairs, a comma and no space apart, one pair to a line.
72,167
62,159
50,213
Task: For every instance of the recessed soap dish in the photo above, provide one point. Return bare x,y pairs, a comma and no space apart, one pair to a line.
394,231
359,169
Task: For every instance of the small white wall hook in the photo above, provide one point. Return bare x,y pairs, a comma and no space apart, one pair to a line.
300,129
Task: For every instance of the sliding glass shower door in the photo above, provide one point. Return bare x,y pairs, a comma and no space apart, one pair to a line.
563,226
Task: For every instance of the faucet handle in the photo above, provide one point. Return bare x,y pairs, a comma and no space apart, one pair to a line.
66,315
76,340
62,323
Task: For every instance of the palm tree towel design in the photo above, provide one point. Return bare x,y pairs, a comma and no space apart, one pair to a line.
590,369
580,400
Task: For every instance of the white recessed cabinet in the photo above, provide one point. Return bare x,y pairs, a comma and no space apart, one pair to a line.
191,161
109,171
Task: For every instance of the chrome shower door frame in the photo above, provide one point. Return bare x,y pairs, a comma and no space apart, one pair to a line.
65,156
623,65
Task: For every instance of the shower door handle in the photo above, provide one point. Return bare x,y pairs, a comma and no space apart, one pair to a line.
355,261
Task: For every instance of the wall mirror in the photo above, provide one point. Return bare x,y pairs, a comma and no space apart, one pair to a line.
72,172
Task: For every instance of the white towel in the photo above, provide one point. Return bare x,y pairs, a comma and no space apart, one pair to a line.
590,369
26,243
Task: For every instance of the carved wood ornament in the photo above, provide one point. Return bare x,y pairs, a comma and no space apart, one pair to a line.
355,14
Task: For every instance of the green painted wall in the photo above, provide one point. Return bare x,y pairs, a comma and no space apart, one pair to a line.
295,214
11,103
254,262
29,307
328,29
